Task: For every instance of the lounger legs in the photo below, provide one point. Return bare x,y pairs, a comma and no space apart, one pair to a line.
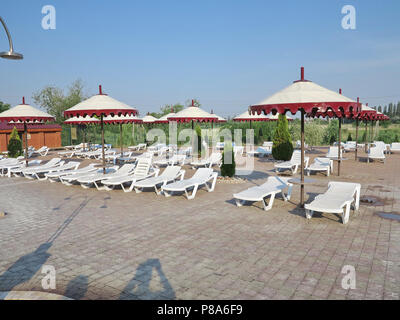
270,202
190,197
309,214
346,213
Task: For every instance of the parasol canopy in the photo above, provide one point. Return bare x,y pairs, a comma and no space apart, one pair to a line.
193,113
246,116
164,118
307,96
26,114
148,119
100,105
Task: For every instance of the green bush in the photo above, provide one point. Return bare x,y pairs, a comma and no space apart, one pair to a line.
349,137
282,148
228,167
14,145
197,129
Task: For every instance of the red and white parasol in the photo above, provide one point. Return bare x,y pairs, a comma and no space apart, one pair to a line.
100,105
306,97
26,114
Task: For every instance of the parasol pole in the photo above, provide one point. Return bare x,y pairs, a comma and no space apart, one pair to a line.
120,138
102,143
340,140
26,143
355,155
302,161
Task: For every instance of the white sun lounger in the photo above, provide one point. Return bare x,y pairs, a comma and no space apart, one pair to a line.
260,152
214,159
8,169
201,177
170,174
72,165
337,199
293,164
70,179
395,147
32,173
271,187
178,159
142,171
56,176
376,153
42,151
321,164
95,179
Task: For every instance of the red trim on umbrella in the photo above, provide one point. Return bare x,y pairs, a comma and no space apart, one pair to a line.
104,112
189,119
161,121
120,121
26,119
340,109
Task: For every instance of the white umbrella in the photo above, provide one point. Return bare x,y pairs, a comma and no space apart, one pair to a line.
100,105
26,114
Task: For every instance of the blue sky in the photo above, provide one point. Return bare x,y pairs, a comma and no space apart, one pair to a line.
227,54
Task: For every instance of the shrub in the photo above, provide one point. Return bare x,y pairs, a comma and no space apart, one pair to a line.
282,148
228,167
313,134
197,129
14,145
349,137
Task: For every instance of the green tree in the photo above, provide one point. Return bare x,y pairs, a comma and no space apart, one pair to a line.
228,167
54,101
282,148
4,106
14,145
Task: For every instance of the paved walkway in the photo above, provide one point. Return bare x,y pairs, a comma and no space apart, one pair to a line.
116,245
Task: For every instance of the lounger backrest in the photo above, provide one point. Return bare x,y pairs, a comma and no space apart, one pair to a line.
126,168
276,182
171,172
142,167
53,162
296,156
339,188
202,174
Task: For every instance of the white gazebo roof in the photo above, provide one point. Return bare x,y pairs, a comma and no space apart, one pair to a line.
308,96
246,116
100,104
193,113
164,118
25,113
149,119
121,119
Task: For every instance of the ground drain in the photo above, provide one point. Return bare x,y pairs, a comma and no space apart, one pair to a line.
389,216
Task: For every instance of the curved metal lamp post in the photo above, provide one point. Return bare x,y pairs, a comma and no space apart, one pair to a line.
11,54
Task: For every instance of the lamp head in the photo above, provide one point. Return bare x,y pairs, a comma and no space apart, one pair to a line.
11,55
